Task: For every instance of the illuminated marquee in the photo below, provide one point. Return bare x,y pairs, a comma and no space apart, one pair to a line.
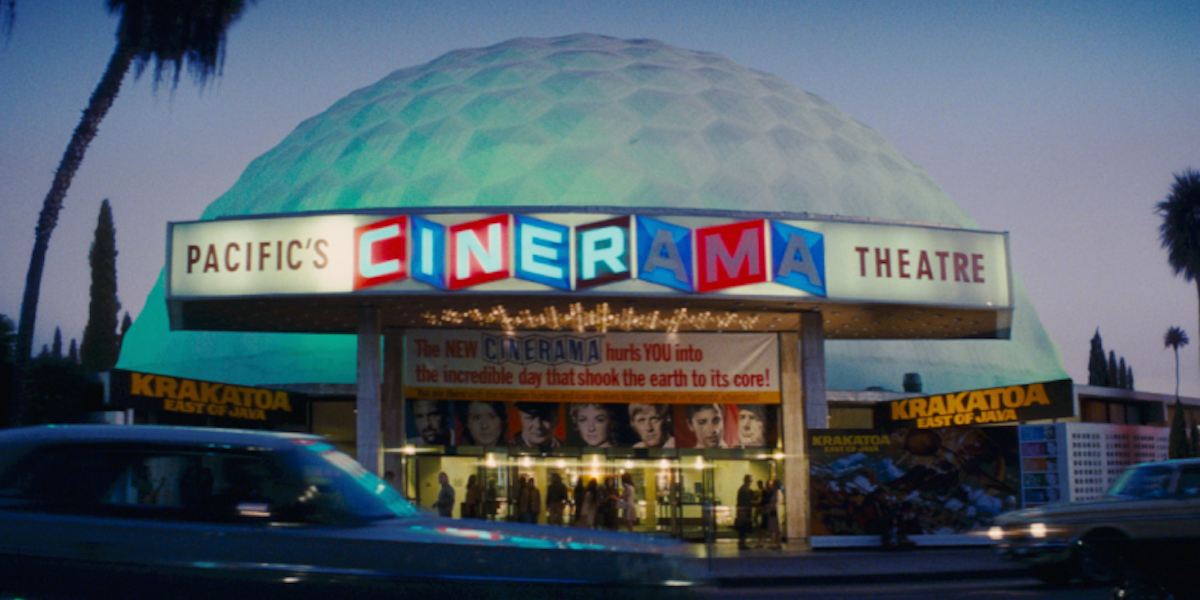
583,256
769,256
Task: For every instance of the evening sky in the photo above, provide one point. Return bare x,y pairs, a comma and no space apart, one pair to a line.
1060,123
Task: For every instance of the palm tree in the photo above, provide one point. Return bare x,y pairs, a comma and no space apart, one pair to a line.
1175,339
8,14
1180,229
171,34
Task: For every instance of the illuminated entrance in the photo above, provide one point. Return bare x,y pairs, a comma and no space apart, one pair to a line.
671,492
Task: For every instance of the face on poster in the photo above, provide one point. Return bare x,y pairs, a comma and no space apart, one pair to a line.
590,424
429,422
481,423
538,425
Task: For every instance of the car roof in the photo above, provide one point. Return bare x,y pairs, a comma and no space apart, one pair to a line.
150,433
1170,462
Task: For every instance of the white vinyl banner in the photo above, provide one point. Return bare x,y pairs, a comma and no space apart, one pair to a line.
728,368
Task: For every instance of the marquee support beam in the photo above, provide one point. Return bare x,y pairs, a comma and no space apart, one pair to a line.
367,401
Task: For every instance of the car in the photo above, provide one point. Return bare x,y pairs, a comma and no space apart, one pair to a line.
117,511
1151,511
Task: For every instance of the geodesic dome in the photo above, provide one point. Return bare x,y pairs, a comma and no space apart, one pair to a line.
587,121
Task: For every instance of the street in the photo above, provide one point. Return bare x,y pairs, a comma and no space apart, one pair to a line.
942,590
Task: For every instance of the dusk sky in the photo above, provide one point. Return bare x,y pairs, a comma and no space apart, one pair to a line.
1060,123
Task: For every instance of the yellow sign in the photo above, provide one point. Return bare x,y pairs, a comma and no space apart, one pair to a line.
150,391
1046,400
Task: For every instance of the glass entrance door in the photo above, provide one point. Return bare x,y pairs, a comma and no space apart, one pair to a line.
670,492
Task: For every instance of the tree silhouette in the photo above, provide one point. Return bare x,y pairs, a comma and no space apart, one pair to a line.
1097,367
1175,338
1113,375
99,351
1180,228
1182,442
8,15
1179,443
171,35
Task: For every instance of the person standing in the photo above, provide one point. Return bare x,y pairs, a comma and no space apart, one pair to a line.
445,498
744,521
762,501
472,505
773,511
606,511
556,500
628,502
577,500
491,500
530,502
514,500
589,505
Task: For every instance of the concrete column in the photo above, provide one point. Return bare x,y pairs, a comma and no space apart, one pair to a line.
368,396
795,469
815,416
812,367
392,421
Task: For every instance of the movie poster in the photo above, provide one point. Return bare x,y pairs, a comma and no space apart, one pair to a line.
923,481
522,424
612,390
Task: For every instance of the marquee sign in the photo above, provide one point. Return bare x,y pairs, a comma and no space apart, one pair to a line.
554,252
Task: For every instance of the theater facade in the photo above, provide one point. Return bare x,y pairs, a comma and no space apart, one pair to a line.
580,257
682,347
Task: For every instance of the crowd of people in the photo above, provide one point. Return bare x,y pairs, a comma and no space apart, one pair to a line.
610,503
758,510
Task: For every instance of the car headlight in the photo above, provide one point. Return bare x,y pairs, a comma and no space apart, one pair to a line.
995,533
1037,530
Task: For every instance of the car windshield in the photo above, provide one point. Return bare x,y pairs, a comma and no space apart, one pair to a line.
310,482
353,490
1153,481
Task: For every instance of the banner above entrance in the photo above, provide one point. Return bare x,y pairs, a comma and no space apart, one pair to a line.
726,368
560,252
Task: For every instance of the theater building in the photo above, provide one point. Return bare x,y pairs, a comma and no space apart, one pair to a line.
578,257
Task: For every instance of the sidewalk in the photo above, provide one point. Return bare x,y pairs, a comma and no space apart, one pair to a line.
797,564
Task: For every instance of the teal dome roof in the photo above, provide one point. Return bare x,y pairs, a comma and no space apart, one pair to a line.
586,121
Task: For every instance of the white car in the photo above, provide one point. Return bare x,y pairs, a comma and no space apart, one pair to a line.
1149,519
96,511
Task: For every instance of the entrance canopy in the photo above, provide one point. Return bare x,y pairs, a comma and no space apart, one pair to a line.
607,269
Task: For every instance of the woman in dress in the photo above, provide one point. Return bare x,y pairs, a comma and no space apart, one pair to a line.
773,509
628,501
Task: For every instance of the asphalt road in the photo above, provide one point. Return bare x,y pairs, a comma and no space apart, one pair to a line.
997,589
